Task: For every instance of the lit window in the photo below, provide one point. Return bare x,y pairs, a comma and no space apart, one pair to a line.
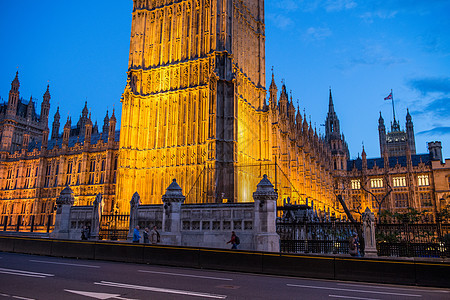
399,181
422,180
356,184
376,183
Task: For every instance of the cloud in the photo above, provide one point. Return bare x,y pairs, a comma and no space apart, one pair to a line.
432,85
436,131
317,33
373,53
379,14
288,5
440,107
339,5
281,21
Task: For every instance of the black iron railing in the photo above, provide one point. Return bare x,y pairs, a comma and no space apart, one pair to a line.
114,227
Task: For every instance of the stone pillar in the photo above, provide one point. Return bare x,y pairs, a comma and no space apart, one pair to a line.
172,199
370,244
265,231
134,205
62,220
96,216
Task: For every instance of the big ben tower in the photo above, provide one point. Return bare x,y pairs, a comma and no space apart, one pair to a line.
193,107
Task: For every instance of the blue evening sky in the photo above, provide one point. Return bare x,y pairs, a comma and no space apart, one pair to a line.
362,49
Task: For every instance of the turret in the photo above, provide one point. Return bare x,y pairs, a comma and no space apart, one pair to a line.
55,125
30,109
95,128
291,112
105,125
45,108
66,132
410,133
273,91
364,159
298,121
88,131
283,101
83,119
435,150
112,127
381,134
13,99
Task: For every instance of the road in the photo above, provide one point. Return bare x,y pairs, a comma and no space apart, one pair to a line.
39,277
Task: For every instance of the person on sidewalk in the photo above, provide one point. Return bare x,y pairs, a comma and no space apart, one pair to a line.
353,245
154,236
136,235
234,240
146,235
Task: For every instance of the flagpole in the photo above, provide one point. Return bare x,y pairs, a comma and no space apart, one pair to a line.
393,109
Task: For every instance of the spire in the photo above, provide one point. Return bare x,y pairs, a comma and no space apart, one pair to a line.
16,82
380,120
47,93
106,124
408,116
298,117
272,84
330,104
55,125
85,111
68,122
113,116
57,115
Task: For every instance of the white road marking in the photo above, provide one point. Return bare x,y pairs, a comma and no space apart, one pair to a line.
185,275
349,290
95,295
160,290
66,264
22,298
394,288
17,297
348,297
24,273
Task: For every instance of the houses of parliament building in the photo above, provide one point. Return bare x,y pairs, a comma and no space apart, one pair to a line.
195,108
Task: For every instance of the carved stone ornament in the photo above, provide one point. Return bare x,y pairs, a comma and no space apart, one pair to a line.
174,193
66,197
264,190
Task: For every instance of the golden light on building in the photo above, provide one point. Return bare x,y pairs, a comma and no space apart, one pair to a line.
194,109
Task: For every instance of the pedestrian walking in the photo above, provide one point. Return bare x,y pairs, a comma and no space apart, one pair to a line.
154,236
354,245
146,235
88,232
83,233
136,235
234,240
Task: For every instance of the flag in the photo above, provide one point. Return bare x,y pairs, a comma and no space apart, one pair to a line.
389,97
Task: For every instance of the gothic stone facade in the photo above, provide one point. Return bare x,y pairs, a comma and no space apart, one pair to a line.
33,176
194,108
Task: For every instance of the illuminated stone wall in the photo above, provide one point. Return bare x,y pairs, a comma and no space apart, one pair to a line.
30,181
192,108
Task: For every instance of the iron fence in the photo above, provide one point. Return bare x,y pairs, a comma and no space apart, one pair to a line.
315,237
114,227
404,249
413,239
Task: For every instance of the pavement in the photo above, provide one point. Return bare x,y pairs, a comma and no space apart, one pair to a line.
39,277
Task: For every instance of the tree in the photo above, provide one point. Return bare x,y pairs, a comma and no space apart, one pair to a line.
379,200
